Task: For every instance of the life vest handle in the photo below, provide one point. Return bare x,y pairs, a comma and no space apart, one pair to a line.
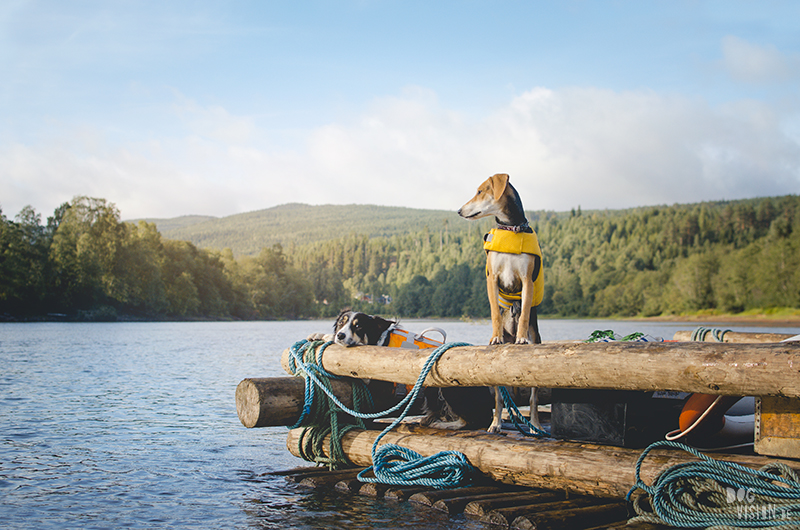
438,330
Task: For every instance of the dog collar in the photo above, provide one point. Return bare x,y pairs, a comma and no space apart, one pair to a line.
524,227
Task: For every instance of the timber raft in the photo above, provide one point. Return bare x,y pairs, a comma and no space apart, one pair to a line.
545,483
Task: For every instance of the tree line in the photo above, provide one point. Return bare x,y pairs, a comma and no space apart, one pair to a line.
84,263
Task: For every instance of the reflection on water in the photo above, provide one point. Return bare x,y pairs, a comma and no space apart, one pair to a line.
134,424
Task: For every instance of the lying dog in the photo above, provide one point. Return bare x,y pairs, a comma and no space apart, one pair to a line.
443,408
353,328
514,278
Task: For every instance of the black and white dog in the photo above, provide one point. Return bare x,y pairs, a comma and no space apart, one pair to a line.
444,408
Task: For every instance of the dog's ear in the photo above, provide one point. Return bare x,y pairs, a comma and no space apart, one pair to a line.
342,313
499,183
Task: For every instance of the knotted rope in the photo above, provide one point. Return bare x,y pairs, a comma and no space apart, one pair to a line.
718,494
391,464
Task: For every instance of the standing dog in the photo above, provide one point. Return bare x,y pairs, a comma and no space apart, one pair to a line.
514,278
444,408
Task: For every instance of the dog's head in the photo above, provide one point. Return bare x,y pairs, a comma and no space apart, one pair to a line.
353,328
489,200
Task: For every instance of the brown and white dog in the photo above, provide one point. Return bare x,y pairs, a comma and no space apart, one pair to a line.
443,408
513,278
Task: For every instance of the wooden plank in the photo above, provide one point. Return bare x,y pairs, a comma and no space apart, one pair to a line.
581,468
769,369
481,507
777,431
456,505
508,515
430,497
734,336
574,519
638,525
304,473
326,480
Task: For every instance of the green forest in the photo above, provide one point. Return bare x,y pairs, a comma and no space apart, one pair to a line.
85,263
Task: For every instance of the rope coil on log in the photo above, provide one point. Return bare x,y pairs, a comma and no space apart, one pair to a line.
315,410
700,333
391,464
718,494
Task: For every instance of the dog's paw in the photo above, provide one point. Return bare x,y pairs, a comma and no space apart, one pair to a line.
522,340
427,420
494,428
496,340
327,337
449,425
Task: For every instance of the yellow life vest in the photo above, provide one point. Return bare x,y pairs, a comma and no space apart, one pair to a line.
509,242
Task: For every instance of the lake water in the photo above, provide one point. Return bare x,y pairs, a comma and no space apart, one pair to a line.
134,425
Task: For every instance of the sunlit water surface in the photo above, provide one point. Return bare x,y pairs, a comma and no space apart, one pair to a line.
133,425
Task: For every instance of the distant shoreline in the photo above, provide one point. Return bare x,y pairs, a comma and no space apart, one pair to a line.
777,321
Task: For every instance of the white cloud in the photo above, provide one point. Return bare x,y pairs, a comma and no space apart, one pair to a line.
751,63
563,148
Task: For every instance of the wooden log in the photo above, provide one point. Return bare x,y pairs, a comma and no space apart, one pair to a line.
320,472
735,336
431,497
574,519
601,471
638,525
329,479
275,401
481,507
456,505
371,489
709,368
506,516
350,485
401,494
278,401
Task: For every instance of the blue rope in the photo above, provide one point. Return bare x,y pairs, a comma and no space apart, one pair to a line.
715,493
517,417
392,464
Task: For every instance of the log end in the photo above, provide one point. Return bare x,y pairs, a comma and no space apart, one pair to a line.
248,403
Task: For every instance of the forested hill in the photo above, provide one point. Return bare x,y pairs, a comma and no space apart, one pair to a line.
298,224
309,261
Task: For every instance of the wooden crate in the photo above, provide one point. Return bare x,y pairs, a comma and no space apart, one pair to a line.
777,431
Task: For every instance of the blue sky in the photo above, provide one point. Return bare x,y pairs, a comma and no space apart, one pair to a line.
216,108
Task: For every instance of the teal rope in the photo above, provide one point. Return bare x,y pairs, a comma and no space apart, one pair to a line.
392,464
312,438
700,333
518,419
698,494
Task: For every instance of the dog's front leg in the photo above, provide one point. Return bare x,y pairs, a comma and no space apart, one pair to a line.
497,421
493,290
523,327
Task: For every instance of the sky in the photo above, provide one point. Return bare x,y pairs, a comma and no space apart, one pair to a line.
194,107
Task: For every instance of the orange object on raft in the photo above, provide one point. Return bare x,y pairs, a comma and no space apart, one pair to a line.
400,338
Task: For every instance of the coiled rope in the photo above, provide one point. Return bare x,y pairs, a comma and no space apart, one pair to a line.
391,463
316,410
717,494
700,333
